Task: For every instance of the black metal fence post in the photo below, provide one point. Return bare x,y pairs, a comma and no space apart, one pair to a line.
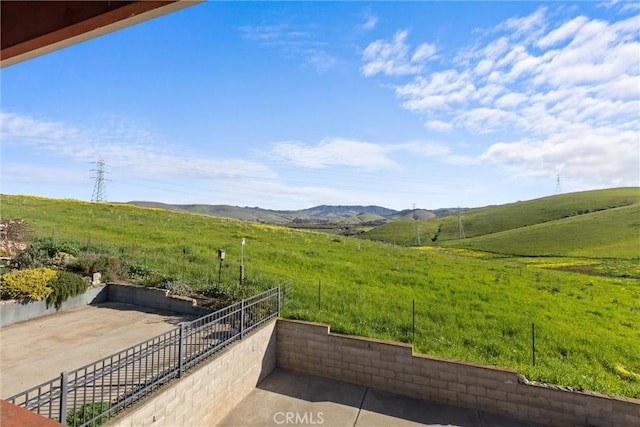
64,391
181,350
242,319
278,306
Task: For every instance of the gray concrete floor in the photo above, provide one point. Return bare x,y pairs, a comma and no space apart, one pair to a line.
287,398
38,350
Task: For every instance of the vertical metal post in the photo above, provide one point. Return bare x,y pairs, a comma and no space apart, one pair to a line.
278,303
181,351
64,389
242,262
533,342
184,267
242,319
319,284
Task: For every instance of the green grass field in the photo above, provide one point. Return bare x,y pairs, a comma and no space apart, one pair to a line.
470,305
521,216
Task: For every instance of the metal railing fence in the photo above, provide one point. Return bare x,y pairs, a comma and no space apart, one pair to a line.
90,395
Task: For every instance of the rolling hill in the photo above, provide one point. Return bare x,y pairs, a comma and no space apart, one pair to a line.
592,223
323,214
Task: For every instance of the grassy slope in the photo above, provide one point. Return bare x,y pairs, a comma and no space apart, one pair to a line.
512,216
466,308
225,211
612,233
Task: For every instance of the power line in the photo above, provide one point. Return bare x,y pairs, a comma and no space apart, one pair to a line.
558,187
460,227
99,191
415,221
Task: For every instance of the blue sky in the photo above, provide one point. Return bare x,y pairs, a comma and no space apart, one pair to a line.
288,105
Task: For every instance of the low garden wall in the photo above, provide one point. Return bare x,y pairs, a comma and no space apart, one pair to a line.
12,311
155,298
390,366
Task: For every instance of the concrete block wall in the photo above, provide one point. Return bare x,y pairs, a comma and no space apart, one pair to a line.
390,366
12,311
205,395
153,298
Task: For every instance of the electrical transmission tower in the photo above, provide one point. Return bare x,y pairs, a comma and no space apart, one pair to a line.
460,227
558,188
417,227
99,192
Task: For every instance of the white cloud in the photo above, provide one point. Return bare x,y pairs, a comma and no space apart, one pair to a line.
335,152
123,145
370,22
566,91
527,27
395,57
621,5
297,41
562,33
439,125
423,52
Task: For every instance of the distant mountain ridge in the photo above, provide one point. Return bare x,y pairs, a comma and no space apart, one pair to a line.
323,214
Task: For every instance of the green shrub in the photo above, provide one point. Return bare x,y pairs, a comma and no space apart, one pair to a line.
109,265
87,412
52,247
27,284
65,285
33,256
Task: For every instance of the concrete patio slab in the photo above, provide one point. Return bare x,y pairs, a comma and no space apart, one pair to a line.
287,398
38,350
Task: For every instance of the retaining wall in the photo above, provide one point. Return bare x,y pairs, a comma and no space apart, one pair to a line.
12,311
205,395
153,298
390,366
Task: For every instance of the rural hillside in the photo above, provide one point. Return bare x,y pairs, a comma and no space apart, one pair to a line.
318,215
474,302
604,221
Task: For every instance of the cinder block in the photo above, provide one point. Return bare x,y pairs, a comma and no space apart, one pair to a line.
398,368
435,383
447,396
517,398
486,403
378,363
446,376
496,394
633,420
387,373
477,391
370,370
487,383
388,357
468,380
419,379
460,388
467,400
